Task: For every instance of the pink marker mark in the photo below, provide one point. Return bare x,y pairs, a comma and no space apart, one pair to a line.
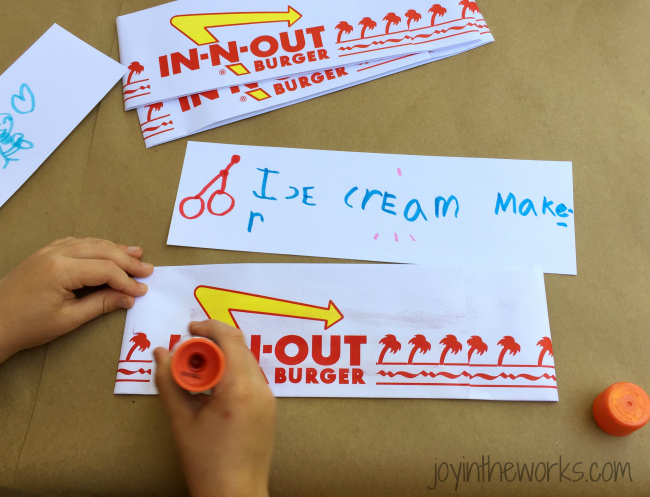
412,237
376,236
399,171
396,239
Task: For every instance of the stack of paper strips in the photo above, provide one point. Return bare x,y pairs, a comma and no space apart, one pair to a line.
367,330
198,65
358,330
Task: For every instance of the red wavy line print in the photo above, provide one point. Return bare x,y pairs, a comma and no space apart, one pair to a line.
159,133
484,376
155,119
459,385
154,129
136,96
129,372
134,82
128,92
457,28
407,37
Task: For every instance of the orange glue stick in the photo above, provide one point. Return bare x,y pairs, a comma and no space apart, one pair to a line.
198,365
622,409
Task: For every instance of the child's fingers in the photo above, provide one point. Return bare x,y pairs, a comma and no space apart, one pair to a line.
94,248
174,398
97,303
133,251
62,240
93,272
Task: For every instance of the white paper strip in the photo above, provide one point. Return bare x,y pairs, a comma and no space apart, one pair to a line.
44,95
183,48
392,208
393,331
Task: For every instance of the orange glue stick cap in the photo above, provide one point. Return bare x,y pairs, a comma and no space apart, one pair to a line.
198,365
622,409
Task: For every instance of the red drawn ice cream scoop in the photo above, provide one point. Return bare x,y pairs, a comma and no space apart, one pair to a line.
198,365
622,409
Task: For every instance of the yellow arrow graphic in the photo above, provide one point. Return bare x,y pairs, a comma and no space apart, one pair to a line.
219,304
195,26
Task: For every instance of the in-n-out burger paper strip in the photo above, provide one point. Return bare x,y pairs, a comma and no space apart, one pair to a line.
378,207
173,119
358,330
437,55
183,48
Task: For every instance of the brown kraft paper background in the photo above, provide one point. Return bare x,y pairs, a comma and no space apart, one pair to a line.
565,80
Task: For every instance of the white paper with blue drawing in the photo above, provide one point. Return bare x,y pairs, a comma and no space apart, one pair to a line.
392,208
44,95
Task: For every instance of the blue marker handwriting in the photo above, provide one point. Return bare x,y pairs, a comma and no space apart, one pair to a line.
251,219
264,195
527,206
296,191
413,209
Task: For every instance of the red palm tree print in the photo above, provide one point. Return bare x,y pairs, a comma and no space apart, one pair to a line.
391,18
153,108
139,342
412,16
419,343
468,5
509,345
135,68
436,10
391,344
343,27
477,345
451,344
367,23
547,346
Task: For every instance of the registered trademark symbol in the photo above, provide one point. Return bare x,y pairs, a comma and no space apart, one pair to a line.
242,99
222,72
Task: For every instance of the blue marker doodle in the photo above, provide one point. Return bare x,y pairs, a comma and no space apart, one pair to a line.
10,143
29,99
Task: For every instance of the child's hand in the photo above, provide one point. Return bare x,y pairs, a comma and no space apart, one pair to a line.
37,303
225,439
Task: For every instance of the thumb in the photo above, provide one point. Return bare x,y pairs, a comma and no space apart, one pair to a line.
174,398
97,303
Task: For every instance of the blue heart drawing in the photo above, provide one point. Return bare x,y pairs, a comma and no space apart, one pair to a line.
26,97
